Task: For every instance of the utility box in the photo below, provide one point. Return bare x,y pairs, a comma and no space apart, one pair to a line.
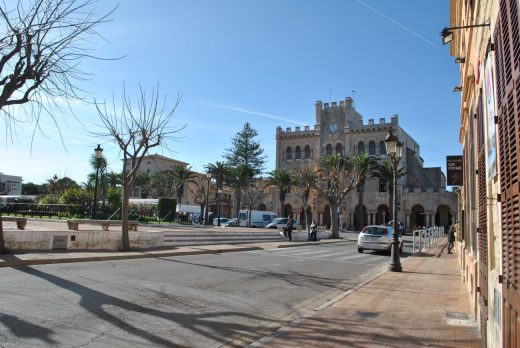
59,242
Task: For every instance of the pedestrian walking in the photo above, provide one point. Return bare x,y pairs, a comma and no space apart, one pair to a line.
289,227
314,230
451,238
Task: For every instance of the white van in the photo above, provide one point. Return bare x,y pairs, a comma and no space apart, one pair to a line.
259,218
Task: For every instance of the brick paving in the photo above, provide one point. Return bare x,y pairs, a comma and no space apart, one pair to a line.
407,309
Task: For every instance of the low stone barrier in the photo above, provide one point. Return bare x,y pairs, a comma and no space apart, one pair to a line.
20,221
78,240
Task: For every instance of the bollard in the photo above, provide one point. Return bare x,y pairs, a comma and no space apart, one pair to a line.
413,242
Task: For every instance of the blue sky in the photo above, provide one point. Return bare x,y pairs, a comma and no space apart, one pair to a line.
262,61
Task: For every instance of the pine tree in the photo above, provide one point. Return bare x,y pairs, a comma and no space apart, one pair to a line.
245,150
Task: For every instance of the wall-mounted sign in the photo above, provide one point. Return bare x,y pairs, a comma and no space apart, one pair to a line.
454,170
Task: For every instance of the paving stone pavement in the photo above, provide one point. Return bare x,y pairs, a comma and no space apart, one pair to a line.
426,305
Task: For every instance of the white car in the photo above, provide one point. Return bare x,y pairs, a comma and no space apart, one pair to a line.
377,237
222,221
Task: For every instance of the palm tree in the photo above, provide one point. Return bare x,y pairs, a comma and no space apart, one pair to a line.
385,171
219,170
303,181
364,167
181,176
280,178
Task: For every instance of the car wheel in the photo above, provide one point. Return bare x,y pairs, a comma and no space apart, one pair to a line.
360,250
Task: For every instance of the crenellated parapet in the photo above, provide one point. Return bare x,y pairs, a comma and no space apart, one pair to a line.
377,126
296,132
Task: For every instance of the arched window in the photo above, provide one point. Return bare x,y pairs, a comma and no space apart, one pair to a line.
307,151
328,149
361,147
289,153
371,148
382,148
298,153
339,149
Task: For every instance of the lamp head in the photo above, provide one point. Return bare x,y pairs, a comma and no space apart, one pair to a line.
208,175
460,60
447,36
98,151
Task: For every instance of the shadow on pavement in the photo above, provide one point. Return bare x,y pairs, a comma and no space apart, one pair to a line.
23,329
208,324
294,278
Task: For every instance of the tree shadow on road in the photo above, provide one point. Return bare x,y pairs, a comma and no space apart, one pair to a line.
219,326
24,329
294,278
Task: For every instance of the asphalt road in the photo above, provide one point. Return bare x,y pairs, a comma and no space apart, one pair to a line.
189,301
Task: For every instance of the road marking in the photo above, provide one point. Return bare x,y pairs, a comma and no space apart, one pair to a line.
352,256
315,258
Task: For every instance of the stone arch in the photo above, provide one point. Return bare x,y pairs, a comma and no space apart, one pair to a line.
382,148
262,207
360,224
339,149
361,147
443,216
289,152
307,151
287,210
372,148
298,152
417,216
383,214
326,216
328,149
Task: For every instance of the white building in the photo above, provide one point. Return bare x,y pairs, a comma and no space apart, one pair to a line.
10,184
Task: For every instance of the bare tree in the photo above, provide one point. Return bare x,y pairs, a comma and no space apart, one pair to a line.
42,43
336,178
136,130
199,192
252,192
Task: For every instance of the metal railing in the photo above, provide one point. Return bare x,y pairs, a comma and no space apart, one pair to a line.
426,237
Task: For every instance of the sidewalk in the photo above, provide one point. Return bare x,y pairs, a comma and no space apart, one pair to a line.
425,305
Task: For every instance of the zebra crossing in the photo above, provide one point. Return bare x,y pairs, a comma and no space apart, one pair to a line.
347,254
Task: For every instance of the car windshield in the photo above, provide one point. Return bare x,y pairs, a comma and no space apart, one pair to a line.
375,230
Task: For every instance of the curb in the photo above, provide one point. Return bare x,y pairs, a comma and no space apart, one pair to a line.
142,255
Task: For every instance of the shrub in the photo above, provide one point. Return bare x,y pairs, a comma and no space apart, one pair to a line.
166,208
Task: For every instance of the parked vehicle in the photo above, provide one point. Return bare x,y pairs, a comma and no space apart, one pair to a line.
231,223
280,221
377,237
222,221
259,218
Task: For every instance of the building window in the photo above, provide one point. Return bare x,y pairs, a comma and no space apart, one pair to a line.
328,149
298,153
371,148
361,147
339,149
307,151
382,185
289,153
382,148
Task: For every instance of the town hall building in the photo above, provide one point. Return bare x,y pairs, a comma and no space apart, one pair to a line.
340,129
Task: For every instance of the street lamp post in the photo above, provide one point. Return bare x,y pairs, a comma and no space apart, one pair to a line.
98,151
219,192
208,175
394,150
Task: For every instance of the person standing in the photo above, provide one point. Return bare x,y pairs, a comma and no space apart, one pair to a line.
314,230
451,238
289,227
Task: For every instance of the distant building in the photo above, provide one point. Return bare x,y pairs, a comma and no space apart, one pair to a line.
10,185
340,129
